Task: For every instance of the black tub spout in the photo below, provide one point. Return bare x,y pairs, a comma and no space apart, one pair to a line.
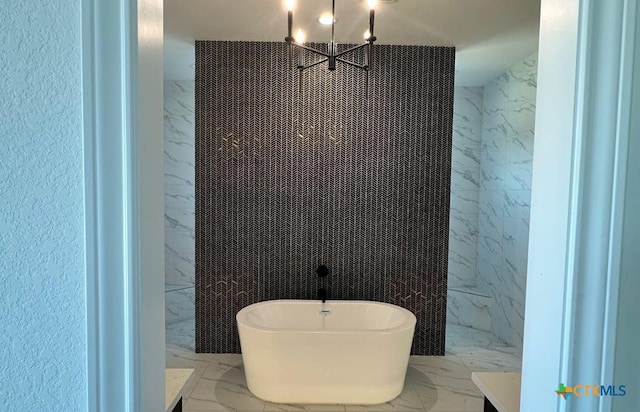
322,294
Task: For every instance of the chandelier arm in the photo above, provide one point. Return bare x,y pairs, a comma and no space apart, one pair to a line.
333,20
313,64
359,66
358,47
312,50
290,37
372,16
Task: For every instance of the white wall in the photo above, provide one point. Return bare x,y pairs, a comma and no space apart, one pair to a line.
549,205
627,361
42,276
150,207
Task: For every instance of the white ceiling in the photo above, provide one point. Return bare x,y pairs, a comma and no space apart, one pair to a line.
490,35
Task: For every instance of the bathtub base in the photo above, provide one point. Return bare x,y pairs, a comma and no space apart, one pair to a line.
326,396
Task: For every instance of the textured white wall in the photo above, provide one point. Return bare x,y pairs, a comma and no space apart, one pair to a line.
42,278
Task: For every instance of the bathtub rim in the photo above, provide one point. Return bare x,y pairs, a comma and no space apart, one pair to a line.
409,318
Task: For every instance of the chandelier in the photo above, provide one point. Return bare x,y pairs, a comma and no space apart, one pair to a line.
332,56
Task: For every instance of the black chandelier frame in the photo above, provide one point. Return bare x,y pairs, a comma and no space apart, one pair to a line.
331,55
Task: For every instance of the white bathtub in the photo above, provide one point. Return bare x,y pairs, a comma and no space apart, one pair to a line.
356,354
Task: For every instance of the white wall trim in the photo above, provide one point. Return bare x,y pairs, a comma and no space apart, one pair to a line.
107,193
148,184
628,47
123,246
627,335
580,164
603,101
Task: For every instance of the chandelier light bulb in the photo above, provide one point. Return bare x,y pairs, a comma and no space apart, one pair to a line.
367,34
291,4
372,3
326,19
300,36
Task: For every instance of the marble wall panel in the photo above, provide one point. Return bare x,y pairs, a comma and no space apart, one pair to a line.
469,309
179,155
463,243
179,315
465,186
505,195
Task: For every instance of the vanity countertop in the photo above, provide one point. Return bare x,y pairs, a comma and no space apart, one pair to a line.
175,382
502,389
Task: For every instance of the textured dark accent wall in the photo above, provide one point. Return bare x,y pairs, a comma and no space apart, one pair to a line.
287,181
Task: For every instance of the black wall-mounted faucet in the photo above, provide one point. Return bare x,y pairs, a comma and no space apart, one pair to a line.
322,272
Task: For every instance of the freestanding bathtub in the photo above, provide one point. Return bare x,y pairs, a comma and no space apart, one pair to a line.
347,352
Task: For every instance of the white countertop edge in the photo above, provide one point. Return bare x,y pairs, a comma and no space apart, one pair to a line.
175,382
501,388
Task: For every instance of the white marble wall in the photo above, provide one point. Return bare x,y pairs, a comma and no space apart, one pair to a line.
465,186
179,172
505,194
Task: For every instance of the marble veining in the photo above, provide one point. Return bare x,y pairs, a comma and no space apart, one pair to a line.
466,308
179,304
505,195
179,196
465,186
490,202
179,172
181,335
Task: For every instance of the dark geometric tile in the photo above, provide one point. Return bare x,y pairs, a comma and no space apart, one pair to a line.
286,181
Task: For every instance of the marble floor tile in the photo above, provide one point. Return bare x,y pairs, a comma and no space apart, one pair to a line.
277,407
180,358
441,400
223,363
449,377
226,393
444,384
436,366
407,401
